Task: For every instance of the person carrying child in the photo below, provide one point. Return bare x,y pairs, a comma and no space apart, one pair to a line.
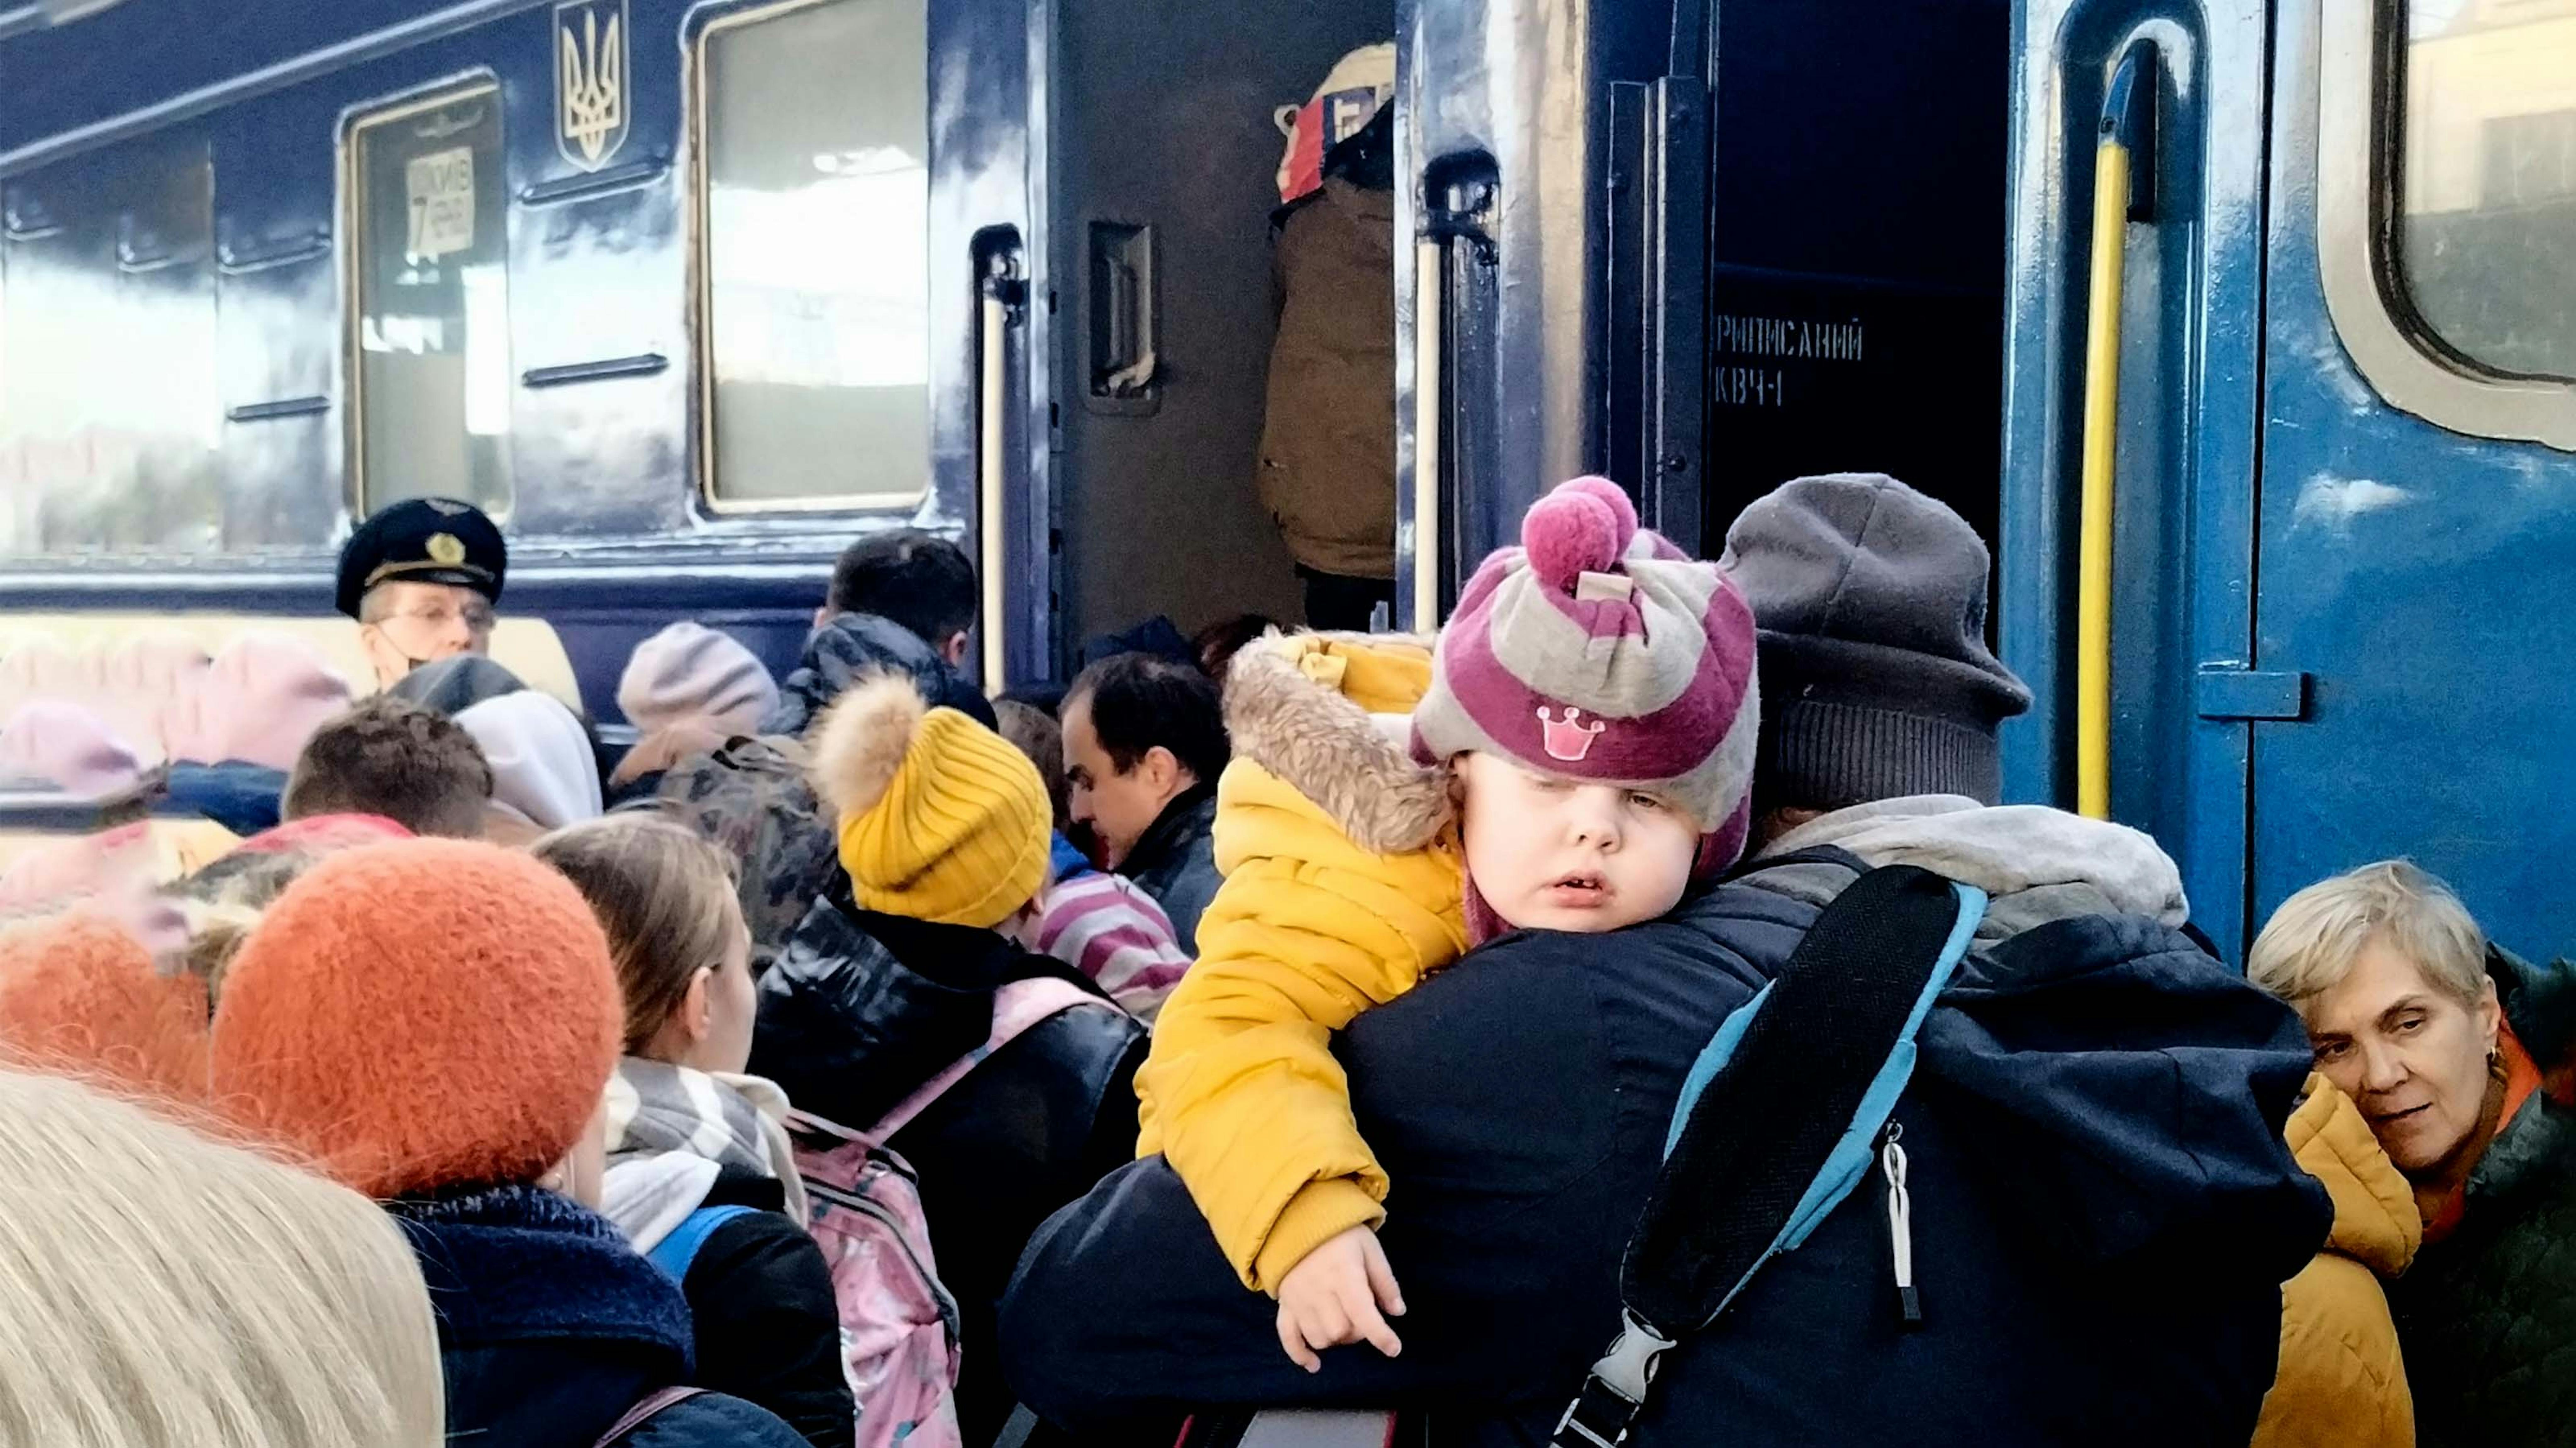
1581,749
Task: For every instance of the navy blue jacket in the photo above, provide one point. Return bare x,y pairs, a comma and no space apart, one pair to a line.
550,1327
2103,1210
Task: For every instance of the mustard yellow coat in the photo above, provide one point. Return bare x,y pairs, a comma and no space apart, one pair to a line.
1343,889
2342,1383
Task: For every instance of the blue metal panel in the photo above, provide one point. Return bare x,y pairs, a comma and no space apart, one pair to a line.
1512,97
2184,558
2421,578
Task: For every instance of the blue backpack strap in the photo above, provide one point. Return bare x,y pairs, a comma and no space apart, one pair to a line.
1778,1122
674,1253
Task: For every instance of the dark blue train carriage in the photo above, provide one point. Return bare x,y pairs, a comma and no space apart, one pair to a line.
692,294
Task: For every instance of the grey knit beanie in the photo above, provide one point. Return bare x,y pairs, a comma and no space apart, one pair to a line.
1870,599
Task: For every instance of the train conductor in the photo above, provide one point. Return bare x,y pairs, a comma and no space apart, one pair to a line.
421,577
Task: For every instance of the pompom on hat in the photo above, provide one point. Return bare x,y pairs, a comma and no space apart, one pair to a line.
420,1015
941,819
1597,651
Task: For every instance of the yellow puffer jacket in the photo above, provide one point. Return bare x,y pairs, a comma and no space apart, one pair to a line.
2341,1382
1343,889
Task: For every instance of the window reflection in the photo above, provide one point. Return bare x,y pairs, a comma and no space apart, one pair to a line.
817,195
2487,241
109,412
433,335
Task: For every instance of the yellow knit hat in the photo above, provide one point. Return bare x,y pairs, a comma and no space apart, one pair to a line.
941,819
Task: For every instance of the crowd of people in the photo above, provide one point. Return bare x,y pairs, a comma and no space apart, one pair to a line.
1270,1019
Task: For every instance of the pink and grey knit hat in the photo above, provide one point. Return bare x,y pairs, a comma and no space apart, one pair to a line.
1596,651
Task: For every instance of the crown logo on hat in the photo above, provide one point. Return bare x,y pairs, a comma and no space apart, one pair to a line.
443,548
1568,739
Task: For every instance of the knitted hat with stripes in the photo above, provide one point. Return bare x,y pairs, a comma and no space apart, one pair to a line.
941,819
1597,652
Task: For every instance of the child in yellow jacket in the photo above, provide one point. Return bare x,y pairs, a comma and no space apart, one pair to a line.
1579,752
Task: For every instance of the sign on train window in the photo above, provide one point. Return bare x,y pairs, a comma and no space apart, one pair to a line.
2486,234
814,174
430,325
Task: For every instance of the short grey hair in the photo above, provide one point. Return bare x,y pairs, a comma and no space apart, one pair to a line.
375,606
2311,942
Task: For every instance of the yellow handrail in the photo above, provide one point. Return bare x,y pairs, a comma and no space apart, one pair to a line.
2126,110
2101,456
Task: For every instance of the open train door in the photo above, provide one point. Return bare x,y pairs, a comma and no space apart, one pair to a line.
1700,248
2419,456
2132,410
1845,314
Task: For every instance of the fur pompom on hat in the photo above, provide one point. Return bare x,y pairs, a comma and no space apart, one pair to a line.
421,1014
1596,651
80,996
941,819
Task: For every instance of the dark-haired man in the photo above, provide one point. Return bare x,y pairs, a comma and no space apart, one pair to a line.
901,601
1144,743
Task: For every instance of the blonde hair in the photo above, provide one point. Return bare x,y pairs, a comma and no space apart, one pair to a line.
667,900
2311,942
162,1290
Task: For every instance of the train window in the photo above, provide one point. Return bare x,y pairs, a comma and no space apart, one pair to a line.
430,322
814,176
2486,184
110,414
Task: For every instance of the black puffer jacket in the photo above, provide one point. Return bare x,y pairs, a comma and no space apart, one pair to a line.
853,646
2487,1315
550,1327
861,1009
2103,1209
768,1327
1175,862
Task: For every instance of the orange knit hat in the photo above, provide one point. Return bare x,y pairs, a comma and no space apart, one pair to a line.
78,995
421,1014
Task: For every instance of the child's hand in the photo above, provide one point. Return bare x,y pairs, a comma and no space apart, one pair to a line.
1334,1297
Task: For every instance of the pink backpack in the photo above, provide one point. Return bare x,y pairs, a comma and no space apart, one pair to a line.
899,1326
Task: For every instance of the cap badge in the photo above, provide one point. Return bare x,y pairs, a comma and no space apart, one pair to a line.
448,508
445,549
1568,739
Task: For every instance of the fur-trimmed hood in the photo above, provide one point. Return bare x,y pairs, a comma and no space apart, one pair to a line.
1329,716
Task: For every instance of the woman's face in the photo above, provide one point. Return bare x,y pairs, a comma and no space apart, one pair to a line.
2409,1054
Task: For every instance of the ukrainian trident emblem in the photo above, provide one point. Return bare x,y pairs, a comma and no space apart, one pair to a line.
1568,739
590,80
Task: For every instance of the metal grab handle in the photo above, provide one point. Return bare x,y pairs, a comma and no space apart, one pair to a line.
994,343
2122,192
1430,316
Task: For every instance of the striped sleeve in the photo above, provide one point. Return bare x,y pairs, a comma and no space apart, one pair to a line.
1113,932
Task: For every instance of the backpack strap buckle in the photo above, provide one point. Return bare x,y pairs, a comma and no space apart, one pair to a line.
1615,1391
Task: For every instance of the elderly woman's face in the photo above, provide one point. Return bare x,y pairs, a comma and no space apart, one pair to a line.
2410,1055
